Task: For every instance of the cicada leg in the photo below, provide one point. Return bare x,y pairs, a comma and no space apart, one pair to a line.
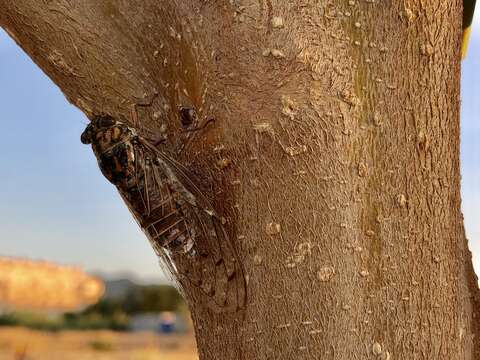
134,110
195,131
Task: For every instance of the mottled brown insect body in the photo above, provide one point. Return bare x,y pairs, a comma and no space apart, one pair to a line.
179,221
114,150
122,161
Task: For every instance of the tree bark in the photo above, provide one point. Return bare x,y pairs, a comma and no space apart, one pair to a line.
334,157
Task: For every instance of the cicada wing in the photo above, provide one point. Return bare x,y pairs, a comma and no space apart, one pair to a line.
139,203
165,260
181,173
215,268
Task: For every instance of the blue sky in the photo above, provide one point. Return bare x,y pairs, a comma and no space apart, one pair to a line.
55,204
470,141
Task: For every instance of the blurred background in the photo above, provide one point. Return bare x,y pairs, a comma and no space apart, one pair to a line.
81,282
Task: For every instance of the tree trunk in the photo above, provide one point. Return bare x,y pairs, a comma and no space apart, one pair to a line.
334,157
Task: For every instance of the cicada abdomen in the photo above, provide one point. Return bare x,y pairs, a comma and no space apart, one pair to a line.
183,228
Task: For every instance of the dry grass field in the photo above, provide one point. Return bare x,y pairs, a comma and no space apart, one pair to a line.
22,344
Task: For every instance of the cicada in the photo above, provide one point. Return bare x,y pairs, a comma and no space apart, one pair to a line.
185,231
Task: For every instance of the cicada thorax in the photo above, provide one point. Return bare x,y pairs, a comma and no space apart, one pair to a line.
114,149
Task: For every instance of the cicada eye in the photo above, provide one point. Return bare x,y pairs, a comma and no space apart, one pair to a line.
86,137
104,121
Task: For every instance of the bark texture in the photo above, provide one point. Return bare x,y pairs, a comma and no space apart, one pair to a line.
334,157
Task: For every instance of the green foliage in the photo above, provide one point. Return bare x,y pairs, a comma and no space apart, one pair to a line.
100,345
154,298
8,319
96,320
31,320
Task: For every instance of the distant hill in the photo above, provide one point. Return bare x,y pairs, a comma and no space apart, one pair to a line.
140,280
117,289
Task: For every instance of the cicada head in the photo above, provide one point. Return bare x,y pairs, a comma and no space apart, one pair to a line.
104,132
99,127
112,143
